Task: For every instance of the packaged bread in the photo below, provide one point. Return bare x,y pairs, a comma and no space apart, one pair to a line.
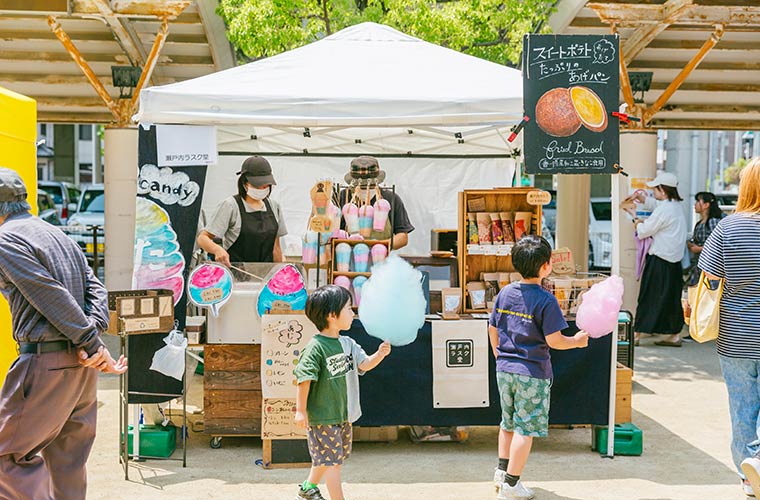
507,226
484,228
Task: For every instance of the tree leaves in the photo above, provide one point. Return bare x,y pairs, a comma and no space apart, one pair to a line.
489,29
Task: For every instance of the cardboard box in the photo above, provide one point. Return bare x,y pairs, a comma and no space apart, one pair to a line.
623,391
140,311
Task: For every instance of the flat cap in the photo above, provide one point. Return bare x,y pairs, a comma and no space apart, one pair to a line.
12,188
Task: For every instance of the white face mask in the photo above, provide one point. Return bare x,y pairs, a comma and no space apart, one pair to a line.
258,194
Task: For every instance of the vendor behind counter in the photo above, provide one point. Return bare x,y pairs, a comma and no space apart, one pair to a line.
364,179
250,224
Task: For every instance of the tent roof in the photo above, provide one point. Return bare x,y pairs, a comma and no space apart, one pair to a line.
368,75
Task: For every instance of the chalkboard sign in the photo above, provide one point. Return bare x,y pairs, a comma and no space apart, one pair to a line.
570,89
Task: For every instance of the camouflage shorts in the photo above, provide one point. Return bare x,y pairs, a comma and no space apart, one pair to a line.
329,444
524,404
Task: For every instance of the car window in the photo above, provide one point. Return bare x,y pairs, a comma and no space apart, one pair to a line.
602,210
93,201
55,192
73,195
44,201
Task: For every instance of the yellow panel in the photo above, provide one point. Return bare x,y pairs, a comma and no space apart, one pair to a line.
18,136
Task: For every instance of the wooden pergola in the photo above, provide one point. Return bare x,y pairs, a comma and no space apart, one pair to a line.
704,56
60,52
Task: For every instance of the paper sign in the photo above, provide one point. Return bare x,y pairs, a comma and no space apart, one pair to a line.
141,324
127,307
212,294
562,261
186,145
146,306
539,197
278,420
460,364
283,337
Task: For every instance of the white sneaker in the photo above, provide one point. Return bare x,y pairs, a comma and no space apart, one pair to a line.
751,469
516,492
499,477
747,489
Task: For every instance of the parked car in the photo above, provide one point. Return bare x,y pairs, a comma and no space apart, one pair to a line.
600,233
727,202
90,212
65,196
46,208
599,229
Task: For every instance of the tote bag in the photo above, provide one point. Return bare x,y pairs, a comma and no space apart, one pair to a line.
705,311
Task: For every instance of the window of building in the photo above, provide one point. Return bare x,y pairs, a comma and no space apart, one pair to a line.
85,132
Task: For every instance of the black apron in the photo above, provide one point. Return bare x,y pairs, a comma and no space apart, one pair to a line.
659,307
258,232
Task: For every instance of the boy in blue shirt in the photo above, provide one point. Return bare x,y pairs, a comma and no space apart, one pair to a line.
526,321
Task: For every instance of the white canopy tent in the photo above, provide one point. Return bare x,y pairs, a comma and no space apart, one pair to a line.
437,119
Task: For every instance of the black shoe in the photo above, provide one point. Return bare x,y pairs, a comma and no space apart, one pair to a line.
310,494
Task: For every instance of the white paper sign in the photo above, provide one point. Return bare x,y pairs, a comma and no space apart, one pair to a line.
186,145
283,337
460,364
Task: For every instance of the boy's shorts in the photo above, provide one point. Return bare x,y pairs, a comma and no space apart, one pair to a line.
329,444
524,404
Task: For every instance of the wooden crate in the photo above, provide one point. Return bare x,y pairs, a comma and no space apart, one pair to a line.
623,391
232,389
333,272
386,433
495,200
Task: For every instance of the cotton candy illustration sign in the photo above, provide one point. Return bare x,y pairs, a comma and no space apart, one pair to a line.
210,285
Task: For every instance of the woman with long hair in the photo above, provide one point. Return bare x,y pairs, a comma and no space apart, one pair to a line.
706,205
732,253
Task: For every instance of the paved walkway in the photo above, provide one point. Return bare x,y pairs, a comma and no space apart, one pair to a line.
679,401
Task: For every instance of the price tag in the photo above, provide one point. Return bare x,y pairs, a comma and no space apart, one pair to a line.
539,197
212,294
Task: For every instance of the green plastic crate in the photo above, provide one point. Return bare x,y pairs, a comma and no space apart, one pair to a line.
629,439
155,440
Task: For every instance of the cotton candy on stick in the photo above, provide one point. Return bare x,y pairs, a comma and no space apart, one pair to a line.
393,306
598,313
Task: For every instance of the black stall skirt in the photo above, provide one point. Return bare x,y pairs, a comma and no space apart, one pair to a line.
659,308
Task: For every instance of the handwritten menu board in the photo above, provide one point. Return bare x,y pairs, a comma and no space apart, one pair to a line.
283,337
571,86
278,420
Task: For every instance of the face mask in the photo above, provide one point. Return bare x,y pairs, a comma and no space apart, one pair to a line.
258,194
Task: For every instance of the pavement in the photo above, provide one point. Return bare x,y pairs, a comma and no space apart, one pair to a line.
679,401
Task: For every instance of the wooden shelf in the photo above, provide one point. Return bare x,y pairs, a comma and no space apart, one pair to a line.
492,200
351,274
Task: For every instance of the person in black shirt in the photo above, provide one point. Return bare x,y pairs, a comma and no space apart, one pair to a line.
364,181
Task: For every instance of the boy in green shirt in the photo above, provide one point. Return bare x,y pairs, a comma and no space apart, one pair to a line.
322,400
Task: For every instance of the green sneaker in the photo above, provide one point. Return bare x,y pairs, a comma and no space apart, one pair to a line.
310,494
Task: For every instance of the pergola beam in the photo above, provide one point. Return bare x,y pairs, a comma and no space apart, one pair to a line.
692,124
82,63
685,72
635,15
710,87
706,66
128,45
713,108
644,35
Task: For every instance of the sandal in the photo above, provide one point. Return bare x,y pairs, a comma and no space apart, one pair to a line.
668,343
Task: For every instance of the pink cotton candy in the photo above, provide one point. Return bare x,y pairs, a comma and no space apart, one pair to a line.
598,313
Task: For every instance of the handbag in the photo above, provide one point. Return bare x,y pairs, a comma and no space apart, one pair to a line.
704,323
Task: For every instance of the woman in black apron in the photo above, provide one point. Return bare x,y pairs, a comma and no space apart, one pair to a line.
249,223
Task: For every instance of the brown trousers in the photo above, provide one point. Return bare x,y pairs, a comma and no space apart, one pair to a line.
48,410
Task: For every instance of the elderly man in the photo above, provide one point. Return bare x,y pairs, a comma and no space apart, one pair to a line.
48,403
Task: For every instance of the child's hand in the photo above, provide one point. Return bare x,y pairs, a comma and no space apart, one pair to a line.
384,349
581,339
302,421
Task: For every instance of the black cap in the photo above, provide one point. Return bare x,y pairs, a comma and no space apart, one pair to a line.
257,171
12,188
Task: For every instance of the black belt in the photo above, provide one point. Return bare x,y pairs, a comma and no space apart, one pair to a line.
42,347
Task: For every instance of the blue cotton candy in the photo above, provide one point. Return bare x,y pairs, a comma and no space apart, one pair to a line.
393,305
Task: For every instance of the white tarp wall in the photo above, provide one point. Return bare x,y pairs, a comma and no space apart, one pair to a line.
428,186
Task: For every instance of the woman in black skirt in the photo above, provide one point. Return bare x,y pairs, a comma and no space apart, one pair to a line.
659,308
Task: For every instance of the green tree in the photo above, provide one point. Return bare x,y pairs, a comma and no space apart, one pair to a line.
731,174
489,29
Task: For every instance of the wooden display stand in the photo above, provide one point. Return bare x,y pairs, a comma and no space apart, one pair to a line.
232,391
490,200
333,272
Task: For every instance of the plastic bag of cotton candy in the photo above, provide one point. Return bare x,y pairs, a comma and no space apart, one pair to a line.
393,305
598,313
